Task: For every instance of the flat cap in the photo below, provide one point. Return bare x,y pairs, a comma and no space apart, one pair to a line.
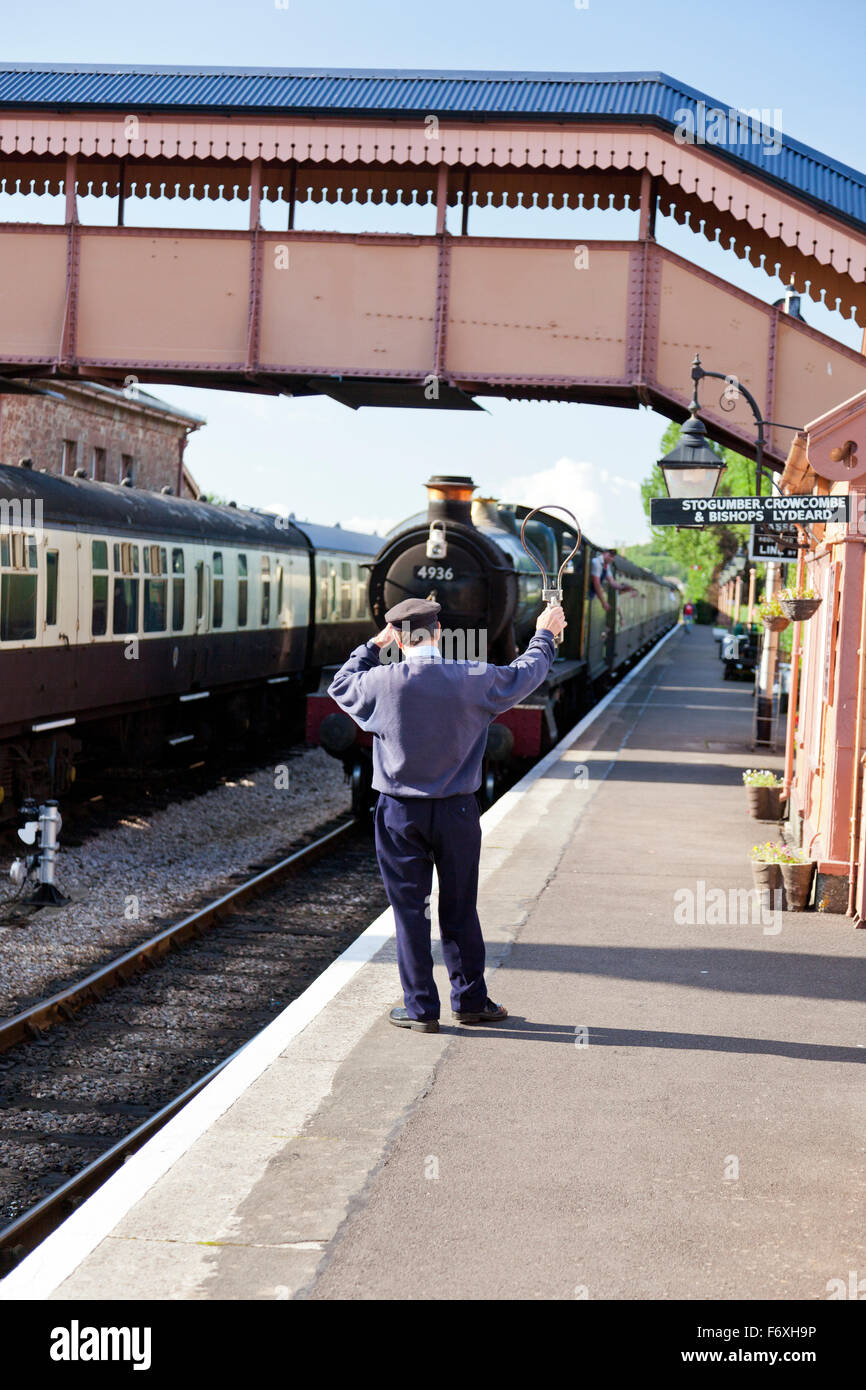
415,611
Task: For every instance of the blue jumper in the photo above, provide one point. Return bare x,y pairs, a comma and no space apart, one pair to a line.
429,717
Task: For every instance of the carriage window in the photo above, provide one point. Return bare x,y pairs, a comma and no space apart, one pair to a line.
99,613
266,590
360,605
323,591
243,584
217,589
18,589
125,606
346,591
126,562
178,590
18,608
155,589
52,562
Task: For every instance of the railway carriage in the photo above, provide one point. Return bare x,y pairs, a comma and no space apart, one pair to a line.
131,621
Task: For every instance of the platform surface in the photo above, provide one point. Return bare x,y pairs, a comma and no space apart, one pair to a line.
674,1108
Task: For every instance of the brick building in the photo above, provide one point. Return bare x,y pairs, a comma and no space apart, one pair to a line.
108,433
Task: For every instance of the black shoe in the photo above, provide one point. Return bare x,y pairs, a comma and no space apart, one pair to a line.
401,1019
491,1013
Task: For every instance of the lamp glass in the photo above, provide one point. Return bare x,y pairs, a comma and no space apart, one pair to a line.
700,481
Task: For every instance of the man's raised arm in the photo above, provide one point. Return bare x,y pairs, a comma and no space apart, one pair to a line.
511,684
350,688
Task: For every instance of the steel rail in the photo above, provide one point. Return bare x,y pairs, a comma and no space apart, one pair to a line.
27,1230
60,1007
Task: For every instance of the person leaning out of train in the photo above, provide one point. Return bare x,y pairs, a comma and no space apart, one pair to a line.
429,719
602,573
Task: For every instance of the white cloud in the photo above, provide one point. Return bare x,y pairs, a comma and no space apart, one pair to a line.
371,524
607,505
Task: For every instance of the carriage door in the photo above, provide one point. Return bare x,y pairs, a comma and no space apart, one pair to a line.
59,603
202,621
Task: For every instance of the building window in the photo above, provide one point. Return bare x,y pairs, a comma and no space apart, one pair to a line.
127,467
99,615
18,588
155,589
217,589
178,591
98,465
243,583
69,460
52,564
266,590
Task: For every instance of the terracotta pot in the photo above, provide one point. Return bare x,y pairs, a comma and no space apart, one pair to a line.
797,879
775,624
767,879
758,799
799,610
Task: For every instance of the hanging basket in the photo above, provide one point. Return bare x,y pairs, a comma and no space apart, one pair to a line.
799,610
775,624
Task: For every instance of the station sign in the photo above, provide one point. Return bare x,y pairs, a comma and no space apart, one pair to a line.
780,545
727,511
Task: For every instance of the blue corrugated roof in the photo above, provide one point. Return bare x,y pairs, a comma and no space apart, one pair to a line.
651,97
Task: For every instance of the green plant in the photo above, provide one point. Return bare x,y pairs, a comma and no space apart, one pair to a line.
795,593
764,778
770,608
776,852
767,853
790,855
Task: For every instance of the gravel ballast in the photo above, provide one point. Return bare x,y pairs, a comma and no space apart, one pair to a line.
125,882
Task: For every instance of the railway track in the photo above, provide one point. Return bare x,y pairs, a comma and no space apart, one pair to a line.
91,1073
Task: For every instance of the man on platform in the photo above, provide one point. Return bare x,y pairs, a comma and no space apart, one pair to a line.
429,718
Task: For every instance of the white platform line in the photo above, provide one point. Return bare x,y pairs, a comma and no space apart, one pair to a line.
45,1269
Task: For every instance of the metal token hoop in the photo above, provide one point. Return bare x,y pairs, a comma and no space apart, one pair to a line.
551,593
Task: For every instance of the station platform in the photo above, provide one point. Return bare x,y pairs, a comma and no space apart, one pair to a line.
673,1109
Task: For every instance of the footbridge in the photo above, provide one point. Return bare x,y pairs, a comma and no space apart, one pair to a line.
439,318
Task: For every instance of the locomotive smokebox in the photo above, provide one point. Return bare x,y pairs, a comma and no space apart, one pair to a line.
449,498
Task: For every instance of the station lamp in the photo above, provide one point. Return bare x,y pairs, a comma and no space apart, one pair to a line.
692,469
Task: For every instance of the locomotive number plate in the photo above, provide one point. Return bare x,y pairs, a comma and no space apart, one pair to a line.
434,572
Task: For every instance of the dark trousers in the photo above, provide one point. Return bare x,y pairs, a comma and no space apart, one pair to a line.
413,834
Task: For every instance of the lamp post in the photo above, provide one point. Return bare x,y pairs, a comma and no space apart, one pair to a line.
692,468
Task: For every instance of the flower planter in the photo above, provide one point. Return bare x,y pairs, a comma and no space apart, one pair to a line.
774,803
777,624
797,879
799,610
767,878
758,800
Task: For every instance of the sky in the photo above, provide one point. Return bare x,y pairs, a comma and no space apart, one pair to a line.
366,469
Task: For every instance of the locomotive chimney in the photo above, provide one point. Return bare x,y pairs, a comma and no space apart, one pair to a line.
449,498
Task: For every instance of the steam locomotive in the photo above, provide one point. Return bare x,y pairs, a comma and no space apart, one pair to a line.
466,553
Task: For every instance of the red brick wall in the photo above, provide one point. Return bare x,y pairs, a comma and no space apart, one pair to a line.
36,426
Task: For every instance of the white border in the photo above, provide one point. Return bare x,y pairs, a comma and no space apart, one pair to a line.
62,1252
